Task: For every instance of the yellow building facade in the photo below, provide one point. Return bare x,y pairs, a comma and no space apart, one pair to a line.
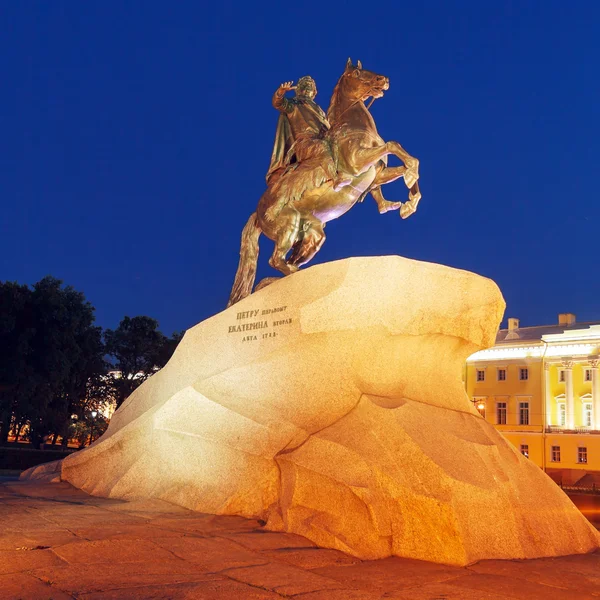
540,387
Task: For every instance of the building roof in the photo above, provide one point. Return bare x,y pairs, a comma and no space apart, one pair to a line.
532,334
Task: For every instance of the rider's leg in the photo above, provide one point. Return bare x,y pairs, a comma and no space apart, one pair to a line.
287,235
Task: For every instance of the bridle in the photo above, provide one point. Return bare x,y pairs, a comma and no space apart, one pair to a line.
367,106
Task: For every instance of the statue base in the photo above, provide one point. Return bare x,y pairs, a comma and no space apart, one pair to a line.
330,404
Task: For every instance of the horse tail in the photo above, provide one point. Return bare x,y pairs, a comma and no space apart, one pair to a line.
246,271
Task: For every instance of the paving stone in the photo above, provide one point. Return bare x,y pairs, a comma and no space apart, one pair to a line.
283,579
269,540
206,524
211,554
210,590
345,594
16,561
21,586
311,558
33,539
586,564
519,589
444,591
27,522
139,552
46,490
125,531
390,574
76,520
553,573
111,551
149,506
88,578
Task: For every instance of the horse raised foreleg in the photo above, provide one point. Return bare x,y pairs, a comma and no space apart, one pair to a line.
382,204
288,230
411,175
408,208
389,174
363,158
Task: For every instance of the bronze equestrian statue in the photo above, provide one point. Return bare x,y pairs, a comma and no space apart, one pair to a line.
322,165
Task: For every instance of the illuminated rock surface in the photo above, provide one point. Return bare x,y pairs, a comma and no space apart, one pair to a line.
330,404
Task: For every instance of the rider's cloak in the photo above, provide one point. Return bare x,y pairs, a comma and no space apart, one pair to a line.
310,113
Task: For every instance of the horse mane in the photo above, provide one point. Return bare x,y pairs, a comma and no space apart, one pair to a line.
335,100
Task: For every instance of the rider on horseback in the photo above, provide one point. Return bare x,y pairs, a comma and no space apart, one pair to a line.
300,150
302,206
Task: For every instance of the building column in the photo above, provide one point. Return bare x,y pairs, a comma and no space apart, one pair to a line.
595,365
548,395
570,400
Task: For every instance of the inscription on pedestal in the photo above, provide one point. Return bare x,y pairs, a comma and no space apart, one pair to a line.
259,323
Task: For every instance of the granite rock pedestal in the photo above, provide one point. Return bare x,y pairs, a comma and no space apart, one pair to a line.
331,404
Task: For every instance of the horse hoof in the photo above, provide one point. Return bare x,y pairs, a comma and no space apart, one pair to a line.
406,211
263,283
391,206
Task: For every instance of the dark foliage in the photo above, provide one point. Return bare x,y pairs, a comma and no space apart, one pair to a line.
138,349
50,349
53,372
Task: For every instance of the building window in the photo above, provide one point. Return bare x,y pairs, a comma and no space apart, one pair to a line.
587,414
480,375
587,374
582,454
501,374
523,373
501,413
562,376
525,450
555,453
562,414
523,413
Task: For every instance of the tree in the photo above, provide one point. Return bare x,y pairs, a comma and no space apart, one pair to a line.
16,333
52,349
138,350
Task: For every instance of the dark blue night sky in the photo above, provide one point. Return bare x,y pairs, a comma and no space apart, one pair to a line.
136,136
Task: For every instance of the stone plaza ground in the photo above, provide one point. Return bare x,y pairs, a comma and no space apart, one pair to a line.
56,542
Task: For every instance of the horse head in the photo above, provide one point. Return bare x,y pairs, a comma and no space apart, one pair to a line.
360,83
354,87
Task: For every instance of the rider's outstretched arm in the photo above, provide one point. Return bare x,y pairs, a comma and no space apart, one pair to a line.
280,102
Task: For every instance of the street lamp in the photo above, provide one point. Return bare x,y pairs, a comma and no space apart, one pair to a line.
94,413
480,406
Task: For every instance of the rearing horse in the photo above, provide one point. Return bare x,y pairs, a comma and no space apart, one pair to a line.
362,156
